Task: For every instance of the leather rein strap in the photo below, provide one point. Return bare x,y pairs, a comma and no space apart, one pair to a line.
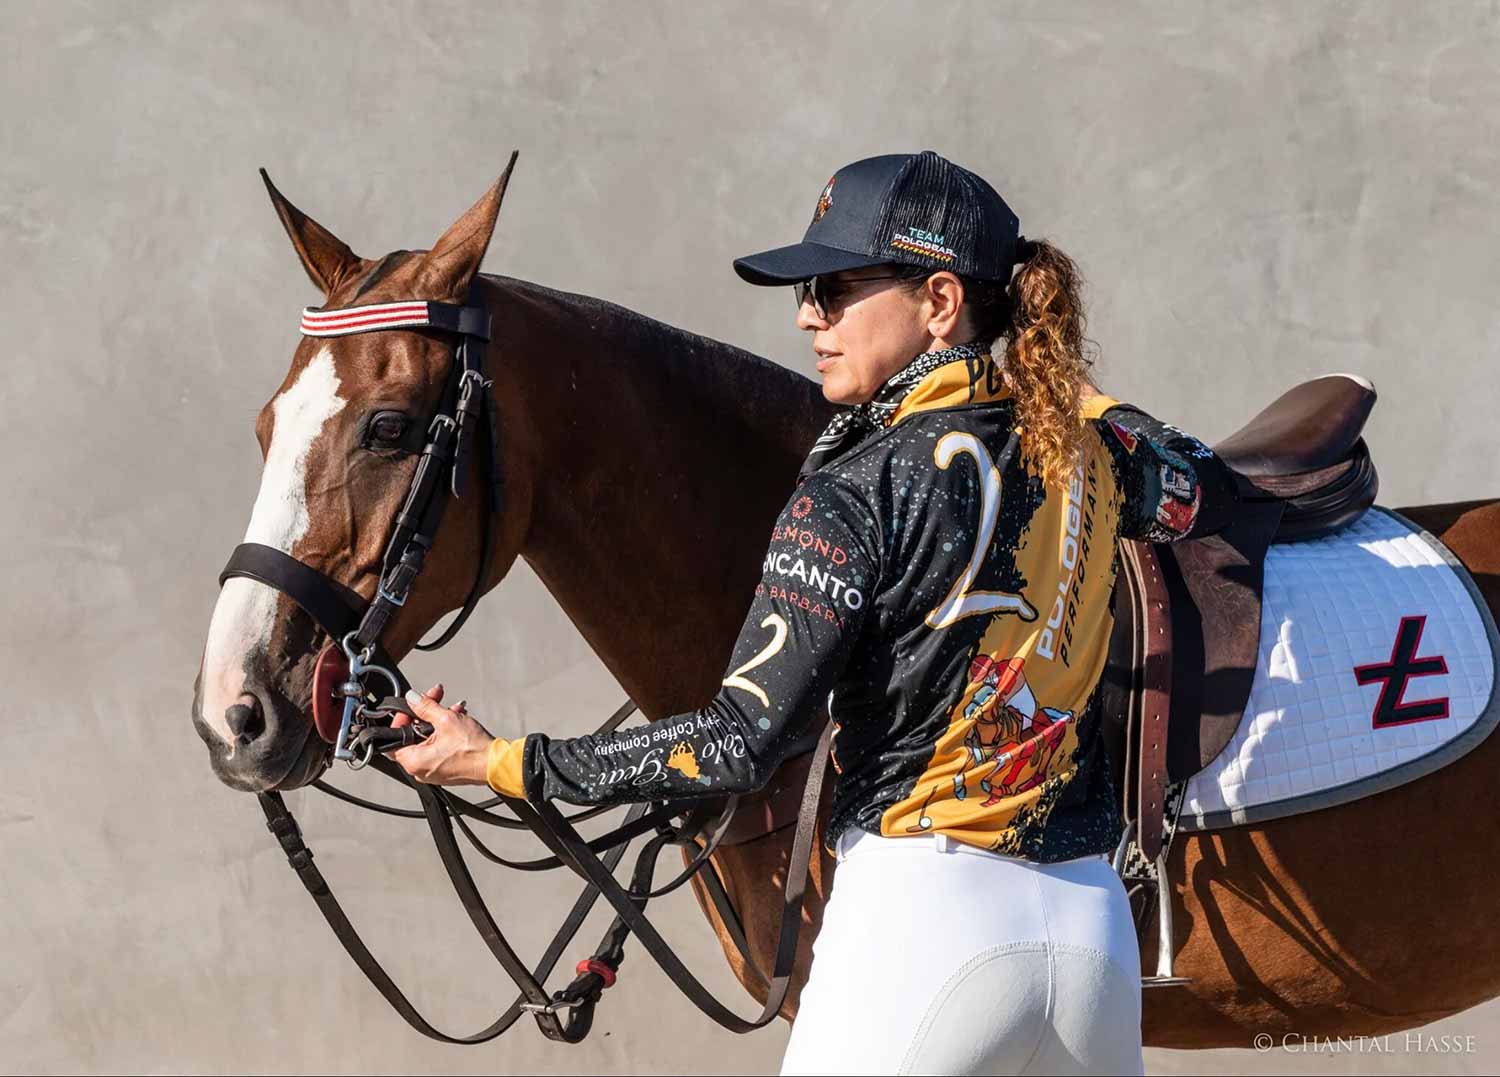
443,467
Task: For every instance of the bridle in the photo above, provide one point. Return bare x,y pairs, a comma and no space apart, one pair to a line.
443,469
354,627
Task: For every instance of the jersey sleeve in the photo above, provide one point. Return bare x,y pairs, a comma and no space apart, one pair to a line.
818,577
1173,486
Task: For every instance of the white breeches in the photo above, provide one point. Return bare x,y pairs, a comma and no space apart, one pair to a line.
938,957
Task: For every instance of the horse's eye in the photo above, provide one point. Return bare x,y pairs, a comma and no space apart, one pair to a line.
386,429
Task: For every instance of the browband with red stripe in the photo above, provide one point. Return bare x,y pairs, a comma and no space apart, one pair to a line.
407,314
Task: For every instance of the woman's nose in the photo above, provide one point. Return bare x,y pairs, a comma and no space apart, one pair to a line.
807,317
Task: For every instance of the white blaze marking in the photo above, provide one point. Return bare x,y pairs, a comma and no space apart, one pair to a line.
243,616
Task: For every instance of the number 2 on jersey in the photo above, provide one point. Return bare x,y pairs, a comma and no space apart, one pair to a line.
777,625
961,602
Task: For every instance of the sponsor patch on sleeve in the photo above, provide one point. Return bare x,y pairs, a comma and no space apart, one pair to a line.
1178,515
1127,439
1177,484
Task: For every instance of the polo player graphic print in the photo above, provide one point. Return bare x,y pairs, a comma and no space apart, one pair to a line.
1004,712
951,614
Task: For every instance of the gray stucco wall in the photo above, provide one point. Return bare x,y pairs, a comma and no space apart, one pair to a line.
1258,194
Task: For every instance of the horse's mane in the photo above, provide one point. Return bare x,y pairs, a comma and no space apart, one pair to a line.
763,393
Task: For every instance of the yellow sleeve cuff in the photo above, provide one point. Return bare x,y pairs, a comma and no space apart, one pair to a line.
503,767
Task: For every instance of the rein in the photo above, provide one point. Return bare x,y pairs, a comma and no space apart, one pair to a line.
354,627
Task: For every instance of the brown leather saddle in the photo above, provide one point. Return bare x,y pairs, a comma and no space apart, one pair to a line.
1187,615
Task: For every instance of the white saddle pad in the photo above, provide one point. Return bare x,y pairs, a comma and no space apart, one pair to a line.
1382,602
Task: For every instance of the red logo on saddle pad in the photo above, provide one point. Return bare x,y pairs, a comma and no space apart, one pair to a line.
1393,674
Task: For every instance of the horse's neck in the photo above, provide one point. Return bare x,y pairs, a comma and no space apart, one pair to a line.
656,462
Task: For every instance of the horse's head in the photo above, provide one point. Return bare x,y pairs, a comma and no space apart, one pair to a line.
340,440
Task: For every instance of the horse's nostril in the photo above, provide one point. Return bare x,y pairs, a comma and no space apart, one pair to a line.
245,719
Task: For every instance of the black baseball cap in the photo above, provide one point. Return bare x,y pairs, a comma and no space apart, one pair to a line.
911,208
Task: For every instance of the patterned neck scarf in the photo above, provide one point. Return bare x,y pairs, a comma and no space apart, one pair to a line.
853,424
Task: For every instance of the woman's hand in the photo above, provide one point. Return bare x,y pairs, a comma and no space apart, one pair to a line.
455,753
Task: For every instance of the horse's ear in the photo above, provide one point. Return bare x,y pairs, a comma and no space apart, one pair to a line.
448,268
325,257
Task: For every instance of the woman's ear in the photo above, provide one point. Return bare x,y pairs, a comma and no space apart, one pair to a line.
944,294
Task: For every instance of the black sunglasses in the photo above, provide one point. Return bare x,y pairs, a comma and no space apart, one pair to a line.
828,294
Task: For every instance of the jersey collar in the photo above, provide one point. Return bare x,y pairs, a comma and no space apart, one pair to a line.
975,380
957,375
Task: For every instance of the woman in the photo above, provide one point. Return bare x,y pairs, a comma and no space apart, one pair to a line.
941,577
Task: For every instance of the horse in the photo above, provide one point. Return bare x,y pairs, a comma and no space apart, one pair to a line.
643,467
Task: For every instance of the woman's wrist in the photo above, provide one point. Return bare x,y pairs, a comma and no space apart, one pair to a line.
503,771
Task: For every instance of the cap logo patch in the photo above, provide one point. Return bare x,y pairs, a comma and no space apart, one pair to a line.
824,201
919,241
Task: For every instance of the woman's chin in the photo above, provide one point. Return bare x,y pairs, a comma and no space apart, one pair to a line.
837,390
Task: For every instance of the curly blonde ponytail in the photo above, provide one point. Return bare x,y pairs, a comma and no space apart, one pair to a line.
1037,319
1046,361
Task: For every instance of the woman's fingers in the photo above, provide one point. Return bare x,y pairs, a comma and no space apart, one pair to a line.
428,707
457,749
435,693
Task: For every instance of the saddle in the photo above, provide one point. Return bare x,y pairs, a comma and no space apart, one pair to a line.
1186,635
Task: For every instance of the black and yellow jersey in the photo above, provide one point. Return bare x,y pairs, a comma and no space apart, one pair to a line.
952,611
